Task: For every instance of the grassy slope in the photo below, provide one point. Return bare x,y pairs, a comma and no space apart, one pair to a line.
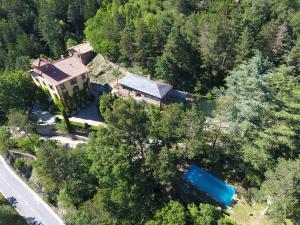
8,215
245,214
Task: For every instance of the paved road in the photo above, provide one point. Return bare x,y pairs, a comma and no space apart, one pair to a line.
26,202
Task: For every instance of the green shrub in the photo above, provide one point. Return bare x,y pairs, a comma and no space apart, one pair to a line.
19,163
26,144
61,127
86,126
43,98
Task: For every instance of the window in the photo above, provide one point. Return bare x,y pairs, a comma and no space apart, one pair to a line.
44,84
51,87
73,81
62,86
83,76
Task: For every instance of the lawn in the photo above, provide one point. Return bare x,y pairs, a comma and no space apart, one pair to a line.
82,126
245,214
8,215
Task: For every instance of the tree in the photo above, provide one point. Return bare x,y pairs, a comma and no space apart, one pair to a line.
62,109
103,34
218,36
177,65
20,120
51,27
204,214
279,136
169,124
51,166
251,95
127,47
90,212
195,137
105,104
80,184
293,58
6,143
143,42
281,187
21,85
123,190
128,118
65,172
244,46
173,213
226,221
162,166
8,215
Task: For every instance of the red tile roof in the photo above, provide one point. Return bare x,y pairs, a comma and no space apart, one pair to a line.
60,71
40,62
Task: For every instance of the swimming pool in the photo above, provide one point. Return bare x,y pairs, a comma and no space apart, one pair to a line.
216,188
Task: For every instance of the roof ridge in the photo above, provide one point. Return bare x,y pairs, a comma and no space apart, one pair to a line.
145,85
148,79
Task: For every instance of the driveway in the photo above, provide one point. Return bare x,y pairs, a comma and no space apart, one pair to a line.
25,200
66,141
90,114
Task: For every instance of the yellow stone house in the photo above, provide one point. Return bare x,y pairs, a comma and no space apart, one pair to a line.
66,80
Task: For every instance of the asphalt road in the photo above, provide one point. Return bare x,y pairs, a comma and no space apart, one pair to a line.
25,200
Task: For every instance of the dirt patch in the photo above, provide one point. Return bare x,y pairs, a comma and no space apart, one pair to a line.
103,71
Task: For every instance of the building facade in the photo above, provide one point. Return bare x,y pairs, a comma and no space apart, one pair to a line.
66,80
143,89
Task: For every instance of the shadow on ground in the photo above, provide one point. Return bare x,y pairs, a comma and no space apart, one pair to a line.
91,111
32,221
13,201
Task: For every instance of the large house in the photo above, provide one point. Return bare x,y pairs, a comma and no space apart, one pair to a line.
146,90
66,80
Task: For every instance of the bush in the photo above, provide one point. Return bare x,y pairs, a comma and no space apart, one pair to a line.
61,127
26,144
43,99
51,199
105,103
19,163
86,126
209,96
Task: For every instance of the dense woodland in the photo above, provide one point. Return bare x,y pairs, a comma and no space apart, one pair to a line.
243,55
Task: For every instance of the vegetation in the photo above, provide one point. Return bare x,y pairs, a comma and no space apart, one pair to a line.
175,213
65,173
281,187
195,44
16,92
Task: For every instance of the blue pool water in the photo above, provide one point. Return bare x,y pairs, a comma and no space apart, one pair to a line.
208,183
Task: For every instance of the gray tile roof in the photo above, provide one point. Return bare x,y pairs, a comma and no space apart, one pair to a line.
145,85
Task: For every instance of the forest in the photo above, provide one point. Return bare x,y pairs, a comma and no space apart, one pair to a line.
242,55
